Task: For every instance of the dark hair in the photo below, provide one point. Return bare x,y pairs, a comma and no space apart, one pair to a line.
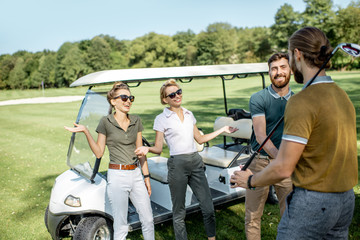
277,56
314,45
112,93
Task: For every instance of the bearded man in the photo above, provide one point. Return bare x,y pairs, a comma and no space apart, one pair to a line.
267,107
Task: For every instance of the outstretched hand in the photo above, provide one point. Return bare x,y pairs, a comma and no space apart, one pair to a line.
229,129
77,128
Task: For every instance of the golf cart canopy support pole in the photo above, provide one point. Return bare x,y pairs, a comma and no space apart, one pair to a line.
223,79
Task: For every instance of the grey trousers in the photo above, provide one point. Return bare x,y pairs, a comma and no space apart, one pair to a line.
183,170
317,215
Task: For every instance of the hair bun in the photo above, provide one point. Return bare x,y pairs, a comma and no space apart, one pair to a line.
323,50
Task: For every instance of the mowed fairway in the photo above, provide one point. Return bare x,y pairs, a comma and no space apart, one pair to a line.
34,144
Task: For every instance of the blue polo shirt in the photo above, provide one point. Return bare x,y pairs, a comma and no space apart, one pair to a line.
269,104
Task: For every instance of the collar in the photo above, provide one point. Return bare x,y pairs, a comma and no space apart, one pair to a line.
321,79
168,112
276,95
112,119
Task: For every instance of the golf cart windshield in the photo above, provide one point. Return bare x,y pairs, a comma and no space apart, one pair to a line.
80,157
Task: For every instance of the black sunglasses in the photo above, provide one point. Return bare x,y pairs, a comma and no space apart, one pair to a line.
125,97
173,94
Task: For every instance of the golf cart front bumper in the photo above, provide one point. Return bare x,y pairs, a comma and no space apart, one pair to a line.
54,223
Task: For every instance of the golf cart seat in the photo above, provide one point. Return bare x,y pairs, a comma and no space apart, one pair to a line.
221,157
158,168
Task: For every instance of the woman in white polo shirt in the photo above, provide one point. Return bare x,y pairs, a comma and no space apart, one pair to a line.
185,166
121,132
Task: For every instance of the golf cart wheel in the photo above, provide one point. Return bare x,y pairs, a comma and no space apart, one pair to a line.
46,217
94,228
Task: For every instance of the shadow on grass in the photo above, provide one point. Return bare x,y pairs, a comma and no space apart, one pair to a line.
229,224
36,198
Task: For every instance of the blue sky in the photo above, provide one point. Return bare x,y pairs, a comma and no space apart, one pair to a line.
46,24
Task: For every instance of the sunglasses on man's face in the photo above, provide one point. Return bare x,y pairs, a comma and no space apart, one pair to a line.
173,94
125,97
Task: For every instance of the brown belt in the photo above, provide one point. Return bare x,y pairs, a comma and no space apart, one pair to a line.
122,166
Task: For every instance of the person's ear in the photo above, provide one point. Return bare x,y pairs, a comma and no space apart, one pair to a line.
165,101
112,101
297,54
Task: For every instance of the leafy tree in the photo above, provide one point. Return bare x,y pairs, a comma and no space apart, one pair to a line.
98,54
153,50
286,23
74,65
70,64
7,63
119,60
46,71
347,26
217,45
348,23
17,75
60,68
254,44
186,47
319,13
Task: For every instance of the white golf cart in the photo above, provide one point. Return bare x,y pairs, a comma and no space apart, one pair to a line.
78,205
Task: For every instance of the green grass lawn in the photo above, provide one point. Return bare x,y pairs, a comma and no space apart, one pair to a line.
34,147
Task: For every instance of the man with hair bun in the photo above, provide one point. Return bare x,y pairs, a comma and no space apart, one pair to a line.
318,148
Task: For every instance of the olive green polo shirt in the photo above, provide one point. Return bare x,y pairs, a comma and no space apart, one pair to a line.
323,118
121,144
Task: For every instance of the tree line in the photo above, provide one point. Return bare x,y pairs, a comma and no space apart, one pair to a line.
220,43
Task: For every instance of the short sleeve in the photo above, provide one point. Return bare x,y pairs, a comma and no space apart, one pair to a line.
140,126
193,118
256,105
101,126
298,119
159,123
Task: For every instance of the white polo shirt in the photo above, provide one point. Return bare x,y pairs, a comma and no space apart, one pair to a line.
179,136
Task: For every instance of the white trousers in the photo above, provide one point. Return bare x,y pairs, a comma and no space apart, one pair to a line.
122,185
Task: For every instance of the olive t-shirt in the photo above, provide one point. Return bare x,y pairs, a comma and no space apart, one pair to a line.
121,144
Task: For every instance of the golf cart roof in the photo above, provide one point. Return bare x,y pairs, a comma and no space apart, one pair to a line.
158,74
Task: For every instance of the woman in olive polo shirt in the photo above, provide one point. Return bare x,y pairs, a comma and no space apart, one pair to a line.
121,132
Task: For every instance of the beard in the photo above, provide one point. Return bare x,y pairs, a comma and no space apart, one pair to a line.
283,84
298,76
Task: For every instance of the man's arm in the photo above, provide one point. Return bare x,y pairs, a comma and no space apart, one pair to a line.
280,168
259,124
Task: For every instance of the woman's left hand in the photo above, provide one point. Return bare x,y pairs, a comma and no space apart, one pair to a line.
148,185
